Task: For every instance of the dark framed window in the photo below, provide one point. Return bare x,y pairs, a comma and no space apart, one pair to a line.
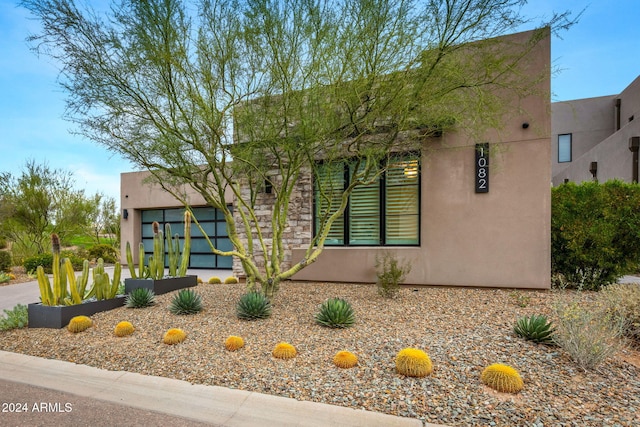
212,221
383,212
564,148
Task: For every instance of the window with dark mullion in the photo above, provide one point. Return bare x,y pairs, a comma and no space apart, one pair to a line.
382,212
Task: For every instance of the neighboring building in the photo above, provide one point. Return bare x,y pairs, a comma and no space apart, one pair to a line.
457,219
590,138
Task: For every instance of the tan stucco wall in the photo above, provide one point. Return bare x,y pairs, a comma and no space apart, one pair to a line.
137,195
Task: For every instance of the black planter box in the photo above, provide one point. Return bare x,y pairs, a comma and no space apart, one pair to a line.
56,317
161,286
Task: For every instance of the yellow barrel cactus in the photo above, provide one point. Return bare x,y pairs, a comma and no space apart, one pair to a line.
214,280
234,343
230,280
174,336
284,350
502,378
413,362
123,329
345,359
79,324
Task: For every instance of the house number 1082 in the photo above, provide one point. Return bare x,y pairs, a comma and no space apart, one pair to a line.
482,168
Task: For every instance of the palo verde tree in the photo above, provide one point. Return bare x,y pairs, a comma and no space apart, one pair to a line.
224,95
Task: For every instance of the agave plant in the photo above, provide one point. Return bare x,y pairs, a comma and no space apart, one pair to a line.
336,313
186,302
253,305
140,298
535,328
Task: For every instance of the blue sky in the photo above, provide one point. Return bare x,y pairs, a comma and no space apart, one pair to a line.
598,56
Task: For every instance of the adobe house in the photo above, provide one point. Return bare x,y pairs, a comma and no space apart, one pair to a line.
467,210
597,138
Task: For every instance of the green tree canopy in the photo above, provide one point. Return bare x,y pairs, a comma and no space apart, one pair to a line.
181,88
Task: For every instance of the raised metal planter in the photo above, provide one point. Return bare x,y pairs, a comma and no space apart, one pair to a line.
56,317
161,286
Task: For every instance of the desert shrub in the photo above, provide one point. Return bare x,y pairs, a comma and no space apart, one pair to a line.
3,243
502,378
622,303
107,252
5,261
595,232
390,274
140,298
587,334
31,264
253,306
17,317
186,301
335,313
535,328
4,277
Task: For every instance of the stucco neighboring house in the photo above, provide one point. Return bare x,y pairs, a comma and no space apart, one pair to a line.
596,138
467,210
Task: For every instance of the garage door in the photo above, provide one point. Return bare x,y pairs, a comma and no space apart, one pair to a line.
211,220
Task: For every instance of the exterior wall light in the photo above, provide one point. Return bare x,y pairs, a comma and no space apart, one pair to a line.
125,214
634,146
593,168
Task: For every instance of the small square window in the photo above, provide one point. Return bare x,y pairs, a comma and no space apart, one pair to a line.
564,148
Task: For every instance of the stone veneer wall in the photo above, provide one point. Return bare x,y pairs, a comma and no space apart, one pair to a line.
298,232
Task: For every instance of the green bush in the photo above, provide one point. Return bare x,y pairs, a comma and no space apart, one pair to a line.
3,243
595,233
107,252
45,260
5,261
18,317
391,273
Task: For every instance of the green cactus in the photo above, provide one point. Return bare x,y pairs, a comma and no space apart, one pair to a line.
103,287
57,294
156,262
173,249
186,249
77,285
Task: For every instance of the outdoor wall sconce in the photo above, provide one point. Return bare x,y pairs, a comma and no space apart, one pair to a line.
634,146
525,125
268,187
593,168
125,214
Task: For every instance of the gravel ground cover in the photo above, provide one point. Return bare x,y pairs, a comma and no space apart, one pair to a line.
462,329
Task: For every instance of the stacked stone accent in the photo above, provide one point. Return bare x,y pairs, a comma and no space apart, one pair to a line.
298,232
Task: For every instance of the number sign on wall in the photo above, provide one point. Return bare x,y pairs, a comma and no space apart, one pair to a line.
482,168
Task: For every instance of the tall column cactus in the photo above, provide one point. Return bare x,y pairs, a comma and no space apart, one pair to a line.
173,249
103,287
156,262
53,295
186,249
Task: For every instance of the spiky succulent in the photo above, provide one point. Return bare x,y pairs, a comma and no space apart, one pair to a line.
253,305
174,336
215,280
140,298
79,324
186,301
502,378
336,313
234,343
413,362
284,350
535,328
345,359
230,280
123,329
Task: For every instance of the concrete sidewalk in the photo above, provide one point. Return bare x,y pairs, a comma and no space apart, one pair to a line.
127,399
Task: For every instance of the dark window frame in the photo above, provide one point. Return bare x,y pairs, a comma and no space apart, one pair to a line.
382,210
570,135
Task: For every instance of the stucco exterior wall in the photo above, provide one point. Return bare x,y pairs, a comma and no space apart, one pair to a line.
593,124
137,195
